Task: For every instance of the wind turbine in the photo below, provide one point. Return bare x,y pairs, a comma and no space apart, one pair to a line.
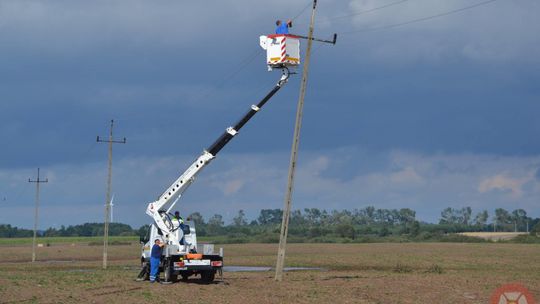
112,205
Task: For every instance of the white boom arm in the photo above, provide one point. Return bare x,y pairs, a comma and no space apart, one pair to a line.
175,191
157,209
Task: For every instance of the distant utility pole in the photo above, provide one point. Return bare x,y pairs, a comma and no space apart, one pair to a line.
108,196
294,153
37,181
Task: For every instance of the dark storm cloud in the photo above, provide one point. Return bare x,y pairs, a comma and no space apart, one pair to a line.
174,74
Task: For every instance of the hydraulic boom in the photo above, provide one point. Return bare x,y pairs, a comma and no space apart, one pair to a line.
169,198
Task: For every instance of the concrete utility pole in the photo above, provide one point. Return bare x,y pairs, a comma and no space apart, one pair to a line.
37,181
108,196
294,153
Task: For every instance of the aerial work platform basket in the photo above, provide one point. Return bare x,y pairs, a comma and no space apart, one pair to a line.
282,50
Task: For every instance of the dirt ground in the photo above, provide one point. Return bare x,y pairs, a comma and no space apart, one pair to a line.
351,273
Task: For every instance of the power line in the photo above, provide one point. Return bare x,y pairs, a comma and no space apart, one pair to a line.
317,48
17,196
369,10
420,19
241,66
303,10
87,151
327,20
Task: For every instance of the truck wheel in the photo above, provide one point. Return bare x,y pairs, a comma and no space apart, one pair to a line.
144,274
168,272
208,276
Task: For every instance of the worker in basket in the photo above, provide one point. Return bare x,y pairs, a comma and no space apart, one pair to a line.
283,28
178,218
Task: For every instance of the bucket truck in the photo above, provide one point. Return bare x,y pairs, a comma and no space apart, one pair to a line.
181,255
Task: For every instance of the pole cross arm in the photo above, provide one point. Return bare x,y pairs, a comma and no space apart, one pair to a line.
333,41
46,180
123,141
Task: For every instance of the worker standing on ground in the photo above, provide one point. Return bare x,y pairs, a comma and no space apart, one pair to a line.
283,28
155,258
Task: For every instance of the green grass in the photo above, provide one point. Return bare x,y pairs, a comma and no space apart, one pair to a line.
524,239
60,240
274,238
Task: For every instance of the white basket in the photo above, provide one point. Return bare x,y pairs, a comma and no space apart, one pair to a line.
281,50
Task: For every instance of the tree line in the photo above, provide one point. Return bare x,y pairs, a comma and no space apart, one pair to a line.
502,220
86,229
313,224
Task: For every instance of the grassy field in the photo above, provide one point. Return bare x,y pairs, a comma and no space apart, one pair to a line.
93,239
70,272
65,240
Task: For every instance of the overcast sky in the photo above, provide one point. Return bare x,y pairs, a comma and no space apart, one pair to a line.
439,112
